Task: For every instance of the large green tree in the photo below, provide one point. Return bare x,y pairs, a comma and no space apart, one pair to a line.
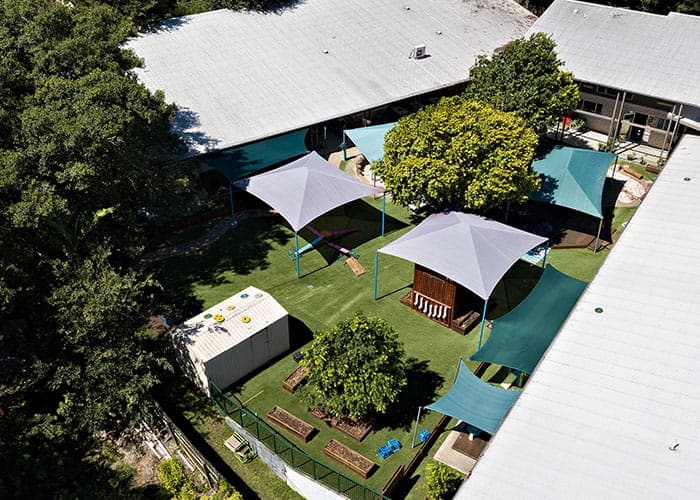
525,78
459,154
355,369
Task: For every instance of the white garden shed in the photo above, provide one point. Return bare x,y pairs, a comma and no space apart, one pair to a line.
231,339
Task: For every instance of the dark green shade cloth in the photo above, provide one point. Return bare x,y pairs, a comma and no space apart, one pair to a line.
520,337
243,161
475,402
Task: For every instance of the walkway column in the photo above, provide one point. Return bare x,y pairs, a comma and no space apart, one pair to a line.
296,253
344,146
230,195
483,322
546,251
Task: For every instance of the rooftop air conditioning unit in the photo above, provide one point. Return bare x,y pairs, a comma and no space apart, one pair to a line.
418,52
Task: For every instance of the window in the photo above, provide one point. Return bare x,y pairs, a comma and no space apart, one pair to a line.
591,106
606,91
662,123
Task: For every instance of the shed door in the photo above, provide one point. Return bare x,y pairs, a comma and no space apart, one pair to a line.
261,349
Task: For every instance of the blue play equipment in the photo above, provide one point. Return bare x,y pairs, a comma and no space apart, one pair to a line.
423,435
386,450
292,254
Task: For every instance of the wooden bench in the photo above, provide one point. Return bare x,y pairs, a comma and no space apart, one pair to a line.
349,458
633,173
292,424
295,379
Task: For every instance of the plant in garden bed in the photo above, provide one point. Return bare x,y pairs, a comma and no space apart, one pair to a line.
355,369
441,481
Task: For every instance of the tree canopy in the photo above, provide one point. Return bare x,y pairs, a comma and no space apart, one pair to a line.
355,369
459,154
526,79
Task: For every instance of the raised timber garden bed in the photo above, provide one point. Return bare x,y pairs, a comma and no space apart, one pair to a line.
295,379
349,458
292,424
355,430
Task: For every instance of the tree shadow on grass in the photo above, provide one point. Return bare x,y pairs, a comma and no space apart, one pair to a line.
420,390
242,250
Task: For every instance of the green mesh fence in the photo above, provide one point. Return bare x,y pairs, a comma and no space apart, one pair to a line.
283,448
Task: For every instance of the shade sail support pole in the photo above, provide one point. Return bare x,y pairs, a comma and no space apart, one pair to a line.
296,253
376,273
383,210
483,322
546,251
597,238
415,429
344,146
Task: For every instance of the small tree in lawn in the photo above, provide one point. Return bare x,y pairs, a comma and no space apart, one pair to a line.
355,369
459,154
526,79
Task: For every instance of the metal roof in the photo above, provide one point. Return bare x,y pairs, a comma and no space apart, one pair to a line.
642,53
617,390
205,338
240,76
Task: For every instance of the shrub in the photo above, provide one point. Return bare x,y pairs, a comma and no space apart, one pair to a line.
441,481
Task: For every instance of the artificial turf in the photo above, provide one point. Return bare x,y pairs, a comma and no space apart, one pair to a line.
254,253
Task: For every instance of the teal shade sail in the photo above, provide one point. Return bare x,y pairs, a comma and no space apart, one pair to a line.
370,140
573,178
475,402
520,337
243,161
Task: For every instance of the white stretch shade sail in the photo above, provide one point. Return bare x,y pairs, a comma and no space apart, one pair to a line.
305,189
469,249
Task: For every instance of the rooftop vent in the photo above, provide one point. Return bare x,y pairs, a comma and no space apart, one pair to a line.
418,52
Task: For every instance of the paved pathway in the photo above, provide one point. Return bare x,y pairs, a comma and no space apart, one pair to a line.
214,233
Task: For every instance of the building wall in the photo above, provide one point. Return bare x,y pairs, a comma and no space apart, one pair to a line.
598,103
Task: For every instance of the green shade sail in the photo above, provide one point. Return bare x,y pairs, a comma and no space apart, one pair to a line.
520,337
370,140
573,178
475,402
243,161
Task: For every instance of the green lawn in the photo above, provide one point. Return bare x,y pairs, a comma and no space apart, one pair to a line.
254,253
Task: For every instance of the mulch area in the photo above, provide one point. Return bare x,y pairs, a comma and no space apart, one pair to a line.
356,430
471,448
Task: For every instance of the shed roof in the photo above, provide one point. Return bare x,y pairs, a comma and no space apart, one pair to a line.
616,389
240,76
643,53
205,338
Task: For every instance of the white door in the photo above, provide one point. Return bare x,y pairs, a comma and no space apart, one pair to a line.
261,349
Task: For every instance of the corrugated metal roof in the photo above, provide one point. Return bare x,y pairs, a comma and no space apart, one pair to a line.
616,390
242,76
206,338
643,53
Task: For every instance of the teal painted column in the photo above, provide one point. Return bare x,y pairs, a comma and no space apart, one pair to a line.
483,322
296,260
376,273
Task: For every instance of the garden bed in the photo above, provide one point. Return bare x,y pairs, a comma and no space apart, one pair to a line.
355,430
291,423
295,379
349,458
